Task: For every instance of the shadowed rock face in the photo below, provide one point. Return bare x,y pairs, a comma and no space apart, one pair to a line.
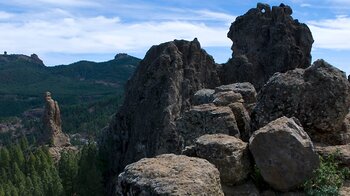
159,91
266,41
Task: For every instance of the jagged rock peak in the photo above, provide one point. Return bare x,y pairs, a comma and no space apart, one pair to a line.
159,91
266,41
52,123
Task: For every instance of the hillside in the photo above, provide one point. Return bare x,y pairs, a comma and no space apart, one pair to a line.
24,79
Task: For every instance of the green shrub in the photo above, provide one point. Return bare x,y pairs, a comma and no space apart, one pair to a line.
328,178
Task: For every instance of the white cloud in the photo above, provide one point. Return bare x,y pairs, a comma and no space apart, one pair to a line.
61,32
5,15
331,33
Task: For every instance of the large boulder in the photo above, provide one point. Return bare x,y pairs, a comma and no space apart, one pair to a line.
266,41
229,154
284,153
318,96
158,93
170,174
206,119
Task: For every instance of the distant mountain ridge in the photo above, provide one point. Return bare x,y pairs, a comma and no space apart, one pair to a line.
23,79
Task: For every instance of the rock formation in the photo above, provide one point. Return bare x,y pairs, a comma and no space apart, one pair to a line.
284,153
52,125
229,154
179,94
266,41
170,174
159,91
318,96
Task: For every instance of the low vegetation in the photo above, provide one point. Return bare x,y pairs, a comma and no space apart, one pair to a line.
328,178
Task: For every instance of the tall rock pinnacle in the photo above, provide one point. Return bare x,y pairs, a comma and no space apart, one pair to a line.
266,41
52,123
159,91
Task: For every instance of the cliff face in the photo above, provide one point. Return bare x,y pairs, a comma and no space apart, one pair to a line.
160,90
266,41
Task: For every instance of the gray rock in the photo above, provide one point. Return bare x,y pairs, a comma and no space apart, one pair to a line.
203,96
206,119
170,174
318,96
158,93
229,154
284,153
266,41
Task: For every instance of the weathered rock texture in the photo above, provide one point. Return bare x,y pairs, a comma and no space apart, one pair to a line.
266,41
159,91
318,96
170,174
206,119
52,124
284,153
229,154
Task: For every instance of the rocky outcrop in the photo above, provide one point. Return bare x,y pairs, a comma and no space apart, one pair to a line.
206,119
52,124
229,154
284,153
238,97
159,91
266,41
170,174
318,96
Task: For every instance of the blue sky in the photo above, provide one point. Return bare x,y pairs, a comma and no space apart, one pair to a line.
65,31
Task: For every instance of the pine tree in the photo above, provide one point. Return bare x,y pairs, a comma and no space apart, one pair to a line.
4,158
24,144
18,156
89,175
68,170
